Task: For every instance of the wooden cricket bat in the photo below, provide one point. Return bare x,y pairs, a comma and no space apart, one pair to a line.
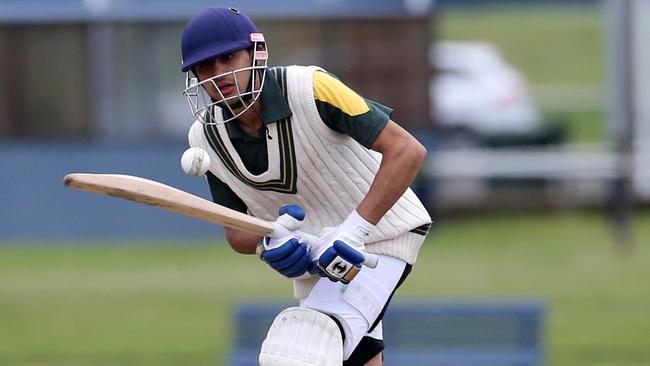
160,195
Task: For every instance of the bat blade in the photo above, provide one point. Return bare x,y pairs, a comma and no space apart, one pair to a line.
160,195
172,199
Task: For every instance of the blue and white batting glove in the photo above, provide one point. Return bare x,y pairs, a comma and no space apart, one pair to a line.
282,249
340,252
340,262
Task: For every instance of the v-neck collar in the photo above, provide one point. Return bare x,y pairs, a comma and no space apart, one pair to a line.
274,108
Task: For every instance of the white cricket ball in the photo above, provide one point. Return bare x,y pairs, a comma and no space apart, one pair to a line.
195,161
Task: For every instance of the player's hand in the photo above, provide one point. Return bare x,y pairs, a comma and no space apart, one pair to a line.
291,258
282,249
340,262
350,235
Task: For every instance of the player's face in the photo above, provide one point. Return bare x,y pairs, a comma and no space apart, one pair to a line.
231,82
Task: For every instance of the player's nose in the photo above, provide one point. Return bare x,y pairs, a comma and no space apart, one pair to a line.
218,67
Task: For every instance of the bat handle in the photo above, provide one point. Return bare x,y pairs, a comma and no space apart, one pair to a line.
371,260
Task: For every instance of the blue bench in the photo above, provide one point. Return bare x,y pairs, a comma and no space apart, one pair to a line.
429,333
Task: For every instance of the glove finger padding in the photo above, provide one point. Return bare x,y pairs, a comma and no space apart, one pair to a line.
280,252
340,262
296,257
299,267
283,249
291,217
291,259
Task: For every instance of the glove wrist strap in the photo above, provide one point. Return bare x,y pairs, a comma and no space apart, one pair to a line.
358,227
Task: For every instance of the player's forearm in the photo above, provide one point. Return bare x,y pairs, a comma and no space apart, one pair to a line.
398,169
242,241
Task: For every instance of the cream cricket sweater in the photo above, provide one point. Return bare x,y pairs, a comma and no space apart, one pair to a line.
326,172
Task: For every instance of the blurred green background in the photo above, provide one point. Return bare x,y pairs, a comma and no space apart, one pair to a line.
158,302
551,45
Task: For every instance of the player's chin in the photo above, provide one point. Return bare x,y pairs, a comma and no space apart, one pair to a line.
229,102
235,102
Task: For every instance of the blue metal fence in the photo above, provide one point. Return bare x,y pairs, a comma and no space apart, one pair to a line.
427,333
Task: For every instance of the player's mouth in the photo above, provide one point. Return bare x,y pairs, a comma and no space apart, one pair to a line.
227,89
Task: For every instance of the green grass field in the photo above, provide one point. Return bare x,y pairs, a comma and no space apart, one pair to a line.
550,44
168,304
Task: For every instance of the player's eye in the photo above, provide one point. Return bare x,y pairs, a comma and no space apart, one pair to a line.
204,66
227,58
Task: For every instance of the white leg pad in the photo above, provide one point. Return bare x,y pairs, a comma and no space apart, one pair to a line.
359,305
302,337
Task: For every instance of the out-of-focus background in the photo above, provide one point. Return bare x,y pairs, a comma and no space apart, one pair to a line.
536,115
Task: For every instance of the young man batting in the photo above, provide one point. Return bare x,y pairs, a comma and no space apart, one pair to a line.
297,142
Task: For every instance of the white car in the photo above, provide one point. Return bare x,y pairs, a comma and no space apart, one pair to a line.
475,90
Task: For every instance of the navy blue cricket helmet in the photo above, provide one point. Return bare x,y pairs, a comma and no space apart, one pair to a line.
216,32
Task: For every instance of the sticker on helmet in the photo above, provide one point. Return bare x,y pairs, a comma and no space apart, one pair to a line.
261,55
257,37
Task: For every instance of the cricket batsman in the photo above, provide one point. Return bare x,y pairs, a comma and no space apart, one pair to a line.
296,145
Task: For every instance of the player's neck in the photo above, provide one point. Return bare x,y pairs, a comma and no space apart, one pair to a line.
251,121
